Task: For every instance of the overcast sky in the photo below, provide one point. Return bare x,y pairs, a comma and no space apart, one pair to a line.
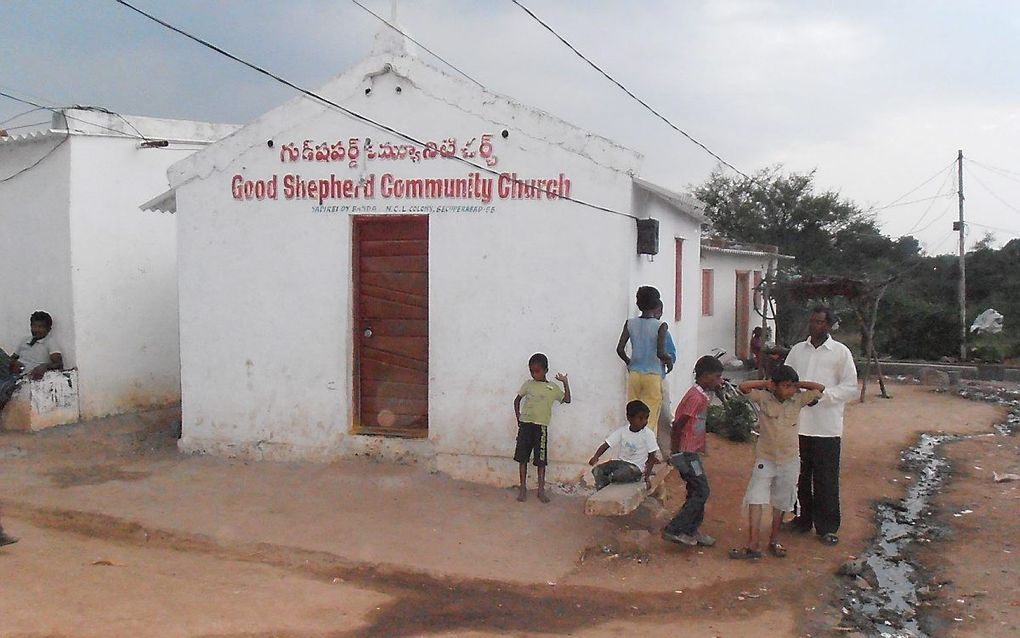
876,96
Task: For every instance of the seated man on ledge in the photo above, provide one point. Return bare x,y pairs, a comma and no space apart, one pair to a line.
33,357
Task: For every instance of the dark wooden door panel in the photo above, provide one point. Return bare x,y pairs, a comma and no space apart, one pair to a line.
391,325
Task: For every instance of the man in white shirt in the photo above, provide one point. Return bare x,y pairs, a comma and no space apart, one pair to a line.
823,360
33,357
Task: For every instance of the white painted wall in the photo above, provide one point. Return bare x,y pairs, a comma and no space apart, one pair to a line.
35,243
265,288
661,273
124,275
719,330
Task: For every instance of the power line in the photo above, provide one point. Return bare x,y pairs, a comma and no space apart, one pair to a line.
345,110
992,193
63,112
913,201
14,117
628,91
20,126
998,172
430,51
949,178
994,168
39,161
937,219
1001,230
912,191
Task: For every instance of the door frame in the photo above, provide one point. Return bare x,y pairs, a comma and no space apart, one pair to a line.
742,321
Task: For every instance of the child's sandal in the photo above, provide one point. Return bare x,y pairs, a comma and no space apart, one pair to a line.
777,550
744,553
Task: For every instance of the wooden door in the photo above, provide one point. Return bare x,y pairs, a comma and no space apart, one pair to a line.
391,318
743,315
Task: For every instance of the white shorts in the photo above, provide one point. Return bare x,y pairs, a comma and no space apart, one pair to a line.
773,484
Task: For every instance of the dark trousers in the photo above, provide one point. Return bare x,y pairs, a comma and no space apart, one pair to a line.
818,485
689,518
615,472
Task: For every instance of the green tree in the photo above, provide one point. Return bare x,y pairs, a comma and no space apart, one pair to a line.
826,233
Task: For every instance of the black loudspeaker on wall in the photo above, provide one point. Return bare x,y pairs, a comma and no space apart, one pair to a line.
648,236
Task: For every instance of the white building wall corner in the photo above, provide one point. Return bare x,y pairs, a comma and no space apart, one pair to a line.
124,276
660,271
719,330
35,241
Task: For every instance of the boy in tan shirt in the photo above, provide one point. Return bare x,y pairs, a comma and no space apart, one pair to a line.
777,454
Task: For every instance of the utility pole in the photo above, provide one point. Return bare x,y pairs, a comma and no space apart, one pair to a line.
963,260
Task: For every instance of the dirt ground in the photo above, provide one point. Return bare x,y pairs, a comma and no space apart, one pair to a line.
123,536
979,571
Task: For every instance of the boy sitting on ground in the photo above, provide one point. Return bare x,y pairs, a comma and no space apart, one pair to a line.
777,454
635,448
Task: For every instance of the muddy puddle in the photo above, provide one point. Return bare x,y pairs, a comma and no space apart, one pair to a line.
886,586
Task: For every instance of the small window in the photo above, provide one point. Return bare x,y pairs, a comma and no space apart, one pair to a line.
678,301
707,292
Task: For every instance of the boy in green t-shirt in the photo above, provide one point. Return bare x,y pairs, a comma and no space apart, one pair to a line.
533,408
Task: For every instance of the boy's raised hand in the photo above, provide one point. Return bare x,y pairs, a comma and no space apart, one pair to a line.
562,378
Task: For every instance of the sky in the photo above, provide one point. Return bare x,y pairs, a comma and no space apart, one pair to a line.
876,97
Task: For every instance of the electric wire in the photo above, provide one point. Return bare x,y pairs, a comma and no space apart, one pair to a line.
39,161
913,201
994,171
949,178
14,117
1015,233
430,51
913,190
993,194
993,168
353,114
21,126
629,92
62,111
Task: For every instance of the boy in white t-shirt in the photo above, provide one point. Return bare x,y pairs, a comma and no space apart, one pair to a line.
635,447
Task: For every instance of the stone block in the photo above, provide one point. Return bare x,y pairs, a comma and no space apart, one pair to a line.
934,377
37,405
619,499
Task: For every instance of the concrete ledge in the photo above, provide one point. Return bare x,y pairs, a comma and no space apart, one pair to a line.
619,499
37,405
501,471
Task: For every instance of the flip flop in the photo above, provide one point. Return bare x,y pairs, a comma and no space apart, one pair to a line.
777,550
744,553
829,539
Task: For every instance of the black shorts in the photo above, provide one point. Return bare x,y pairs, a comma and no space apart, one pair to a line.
532,440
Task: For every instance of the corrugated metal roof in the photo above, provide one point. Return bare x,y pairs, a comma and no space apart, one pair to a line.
165,202
32,137
744,252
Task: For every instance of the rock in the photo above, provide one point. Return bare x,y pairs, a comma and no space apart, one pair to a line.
852,568
935,378
650,514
